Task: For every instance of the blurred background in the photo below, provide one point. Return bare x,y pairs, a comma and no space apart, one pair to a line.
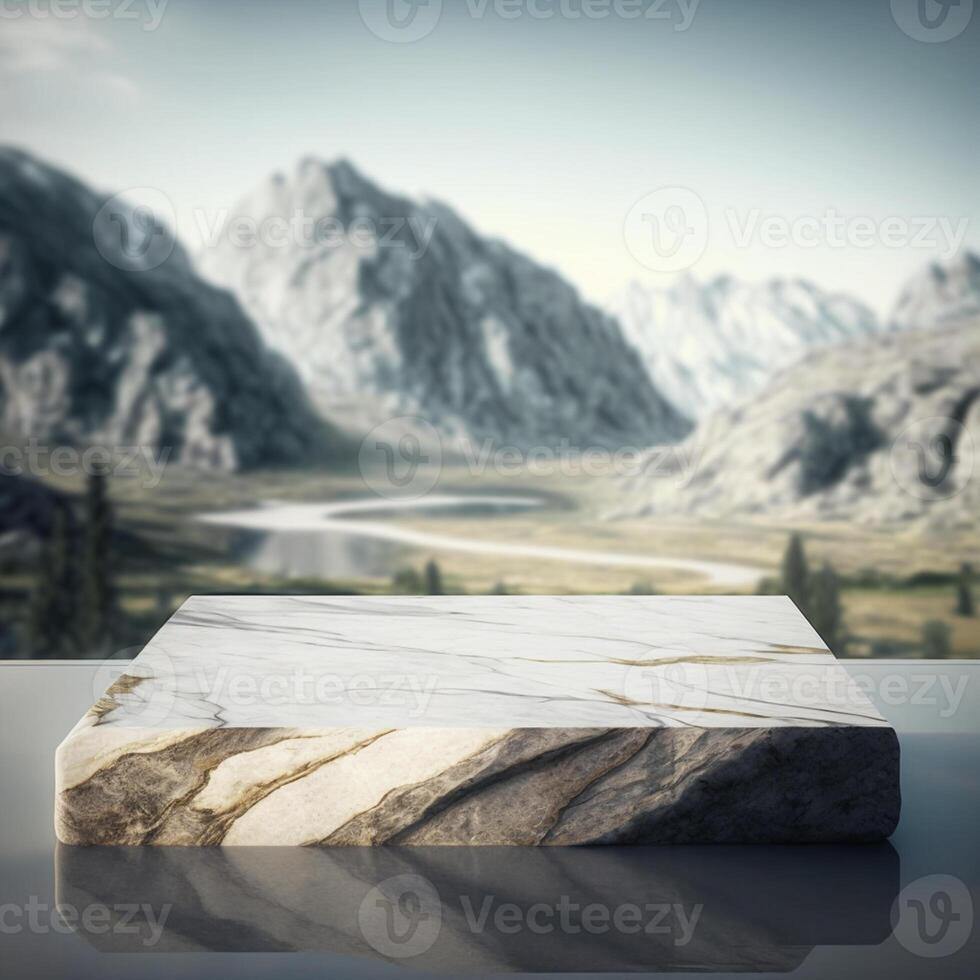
491,296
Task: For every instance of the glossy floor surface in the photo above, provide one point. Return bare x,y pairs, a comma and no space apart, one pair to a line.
903,909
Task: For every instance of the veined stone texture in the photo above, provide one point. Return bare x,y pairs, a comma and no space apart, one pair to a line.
292,720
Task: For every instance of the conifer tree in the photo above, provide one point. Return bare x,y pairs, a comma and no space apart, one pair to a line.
96,592
826,614
964,592
50,614
433,579
936,636
796,574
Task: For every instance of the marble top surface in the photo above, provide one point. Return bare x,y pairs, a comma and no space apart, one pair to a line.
324,662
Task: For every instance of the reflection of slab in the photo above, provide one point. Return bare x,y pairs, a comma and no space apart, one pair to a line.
480,720
492,909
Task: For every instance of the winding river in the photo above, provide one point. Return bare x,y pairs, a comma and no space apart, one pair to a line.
335,539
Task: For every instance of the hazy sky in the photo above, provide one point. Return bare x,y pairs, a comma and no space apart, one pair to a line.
544,130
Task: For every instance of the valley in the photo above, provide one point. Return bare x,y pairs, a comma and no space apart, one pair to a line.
278,384
892,582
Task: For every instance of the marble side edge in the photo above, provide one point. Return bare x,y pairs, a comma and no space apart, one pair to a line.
515,786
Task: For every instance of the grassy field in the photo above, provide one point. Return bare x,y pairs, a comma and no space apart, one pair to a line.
892,582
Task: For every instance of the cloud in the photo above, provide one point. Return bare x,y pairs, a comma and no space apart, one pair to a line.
30,44
124,87
36,45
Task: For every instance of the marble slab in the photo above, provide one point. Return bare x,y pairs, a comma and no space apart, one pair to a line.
478,720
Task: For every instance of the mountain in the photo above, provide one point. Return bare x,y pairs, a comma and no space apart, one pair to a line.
717,343
103,343
391,308
941,294
879,430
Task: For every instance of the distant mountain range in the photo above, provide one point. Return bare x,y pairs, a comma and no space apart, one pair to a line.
940,295
711,344
97,350
380,307
718,343
388,307
883,428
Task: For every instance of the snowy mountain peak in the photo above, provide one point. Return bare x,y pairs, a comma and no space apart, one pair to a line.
714,343
389,308
940,294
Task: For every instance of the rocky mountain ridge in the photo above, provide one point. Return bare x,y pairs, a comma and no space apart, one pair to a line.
390,308
712,344
105,342
882,430
942,294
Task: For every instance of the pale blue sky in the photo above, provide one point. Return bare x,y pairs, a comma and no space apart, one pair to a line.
542,131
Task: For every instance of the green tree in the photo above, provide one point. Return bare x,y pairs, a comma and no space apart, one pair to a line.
433,579
51,609
964,592
826,613
936,639
96,609
795,575
407,581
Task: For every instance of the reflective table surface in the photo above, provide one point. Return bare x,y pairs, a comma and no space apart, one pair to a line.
899,909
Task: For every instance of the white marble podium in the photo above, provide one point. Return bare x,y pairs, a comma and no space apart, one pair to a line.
289,720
